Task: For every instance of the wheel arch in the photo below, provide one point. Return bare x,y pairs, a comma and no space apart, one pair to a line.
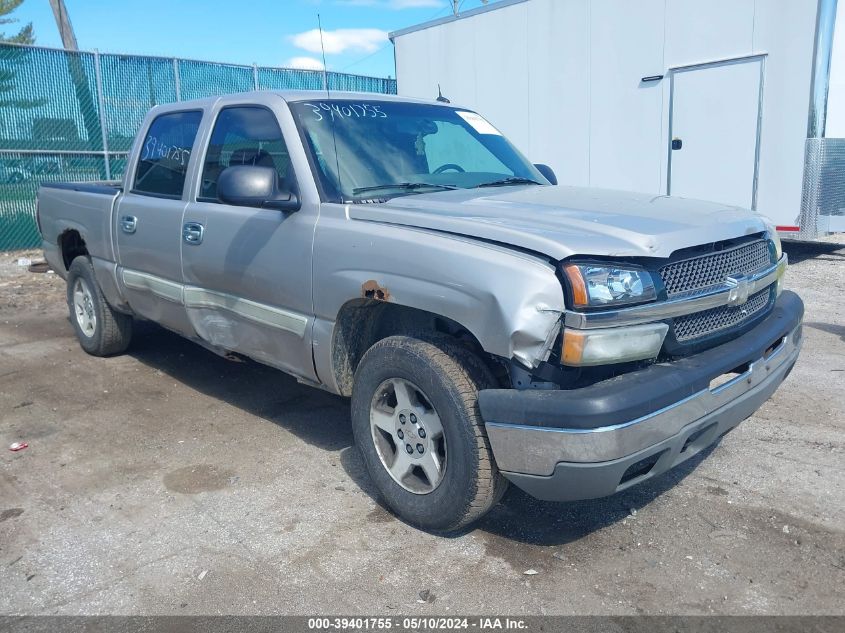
362,322
71,244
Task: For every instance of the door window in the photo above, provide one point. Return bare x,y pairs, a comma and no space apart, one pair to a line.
165,153
244,135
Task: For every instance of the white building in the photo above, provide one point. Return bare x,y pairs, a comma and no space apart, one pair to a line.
602,90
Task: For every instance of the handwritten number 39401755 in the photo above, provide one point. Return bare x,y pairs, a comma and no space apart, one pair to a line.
346,110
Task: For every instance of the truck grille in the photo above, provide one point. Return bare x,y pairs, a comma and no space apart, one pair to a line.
691,276
692,326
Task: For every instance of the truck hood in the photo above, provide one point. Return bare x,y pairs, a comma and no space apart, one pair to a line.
564,221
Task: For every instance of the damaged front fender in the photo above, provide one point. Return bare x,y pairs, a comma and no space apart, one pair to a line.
535,331
510,301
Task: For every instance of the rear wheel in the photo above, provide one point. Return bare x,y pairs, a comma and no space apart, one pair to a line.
101,330
416,422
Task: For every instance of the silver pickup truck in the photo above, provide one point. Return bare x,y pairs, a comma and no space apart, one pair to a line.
488,325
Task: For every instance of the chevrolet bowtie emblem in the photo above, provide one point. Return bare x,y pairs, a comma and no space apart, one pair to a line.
737,290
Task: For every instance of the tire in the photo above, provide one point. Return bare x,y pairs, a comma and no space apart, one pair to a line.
101,330
441,380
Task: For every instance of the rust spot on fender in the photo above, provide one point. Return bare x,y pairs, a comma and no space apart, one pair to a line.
372,290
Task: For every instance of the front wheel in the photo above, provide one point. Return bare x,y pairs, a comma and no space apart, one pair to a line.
417,425
101,330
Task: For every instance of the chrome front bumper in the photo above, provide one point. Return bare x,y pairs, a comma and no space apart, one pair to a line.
536,450
575,461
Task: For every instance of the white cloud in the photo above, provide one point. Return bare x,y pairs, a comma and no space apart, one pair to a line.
304,63
341,40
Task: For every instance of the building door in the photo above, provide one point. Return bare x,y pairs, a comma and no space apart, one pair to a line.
714,123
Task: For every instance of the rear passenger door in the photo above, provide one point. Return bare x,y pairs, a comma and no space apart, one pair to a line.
247,275
149,219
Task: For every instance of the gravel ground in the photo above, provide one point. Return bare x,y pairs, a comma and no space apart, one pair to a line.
172,481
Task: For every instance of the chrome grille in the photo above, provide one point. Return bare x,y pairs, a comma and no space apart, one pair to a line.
706,322
691,276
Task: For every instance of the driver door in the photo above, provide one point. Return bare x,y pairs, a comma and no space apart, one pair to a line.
247,271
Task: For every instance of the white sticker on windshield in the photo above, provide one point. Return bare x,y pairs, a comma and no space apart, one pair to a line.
478,123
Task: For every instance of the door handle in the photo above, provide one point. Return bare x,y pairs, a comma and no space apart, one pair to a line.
128,223
677,144
192,232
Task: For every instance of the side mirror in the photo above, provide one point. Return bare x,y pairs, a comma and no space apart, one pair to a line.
253,186
548,172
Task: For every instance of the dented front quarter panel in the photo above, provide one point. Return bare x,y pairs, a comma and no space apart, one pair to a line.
512,302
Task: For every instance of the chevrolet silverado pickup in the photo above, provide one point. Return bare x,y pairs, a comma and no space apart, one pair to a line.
488,325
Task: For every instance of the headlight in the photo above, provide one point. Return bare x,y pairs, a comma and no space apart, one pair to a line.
778,245
594,285
605,346
772,234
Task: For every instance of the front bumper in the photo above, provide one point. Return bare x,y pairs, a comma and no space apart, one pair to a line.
591,442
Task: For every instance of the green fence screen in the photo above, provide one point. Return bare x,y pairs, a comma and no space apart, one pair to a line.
72,115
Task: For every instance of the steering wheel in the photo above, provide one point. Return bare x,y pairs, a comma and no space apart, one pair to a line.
447,167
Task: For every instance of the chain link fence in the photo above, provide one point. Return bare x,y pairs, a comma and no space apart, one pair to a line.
68,115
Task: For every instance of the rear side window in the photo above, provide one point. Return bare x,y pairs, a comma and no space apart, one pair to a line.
165,153
245,135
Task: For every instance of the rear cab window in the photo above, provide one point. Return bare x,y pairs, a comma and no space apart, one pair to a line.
165,153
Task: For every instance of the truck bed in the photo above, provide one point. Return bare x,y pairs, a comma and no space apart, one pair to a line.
83,207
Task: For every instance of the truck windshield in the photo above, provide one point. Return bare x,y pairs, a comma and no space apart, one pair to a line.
390,148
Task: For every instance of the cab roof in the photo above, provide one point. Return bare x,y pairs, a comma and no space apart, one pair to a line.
295,95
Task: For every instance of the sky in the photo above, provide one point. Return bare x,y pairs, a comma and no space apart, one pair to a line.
265,32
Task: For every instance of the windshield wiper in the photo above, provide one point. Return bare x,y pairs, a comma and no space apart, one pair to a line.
404,186
513,180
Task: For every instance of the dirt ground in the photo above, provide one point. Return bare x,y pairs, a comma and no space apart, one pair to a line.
172,481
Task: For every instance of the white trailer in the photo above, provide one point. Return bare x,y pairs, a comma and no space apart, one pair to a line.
737,101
